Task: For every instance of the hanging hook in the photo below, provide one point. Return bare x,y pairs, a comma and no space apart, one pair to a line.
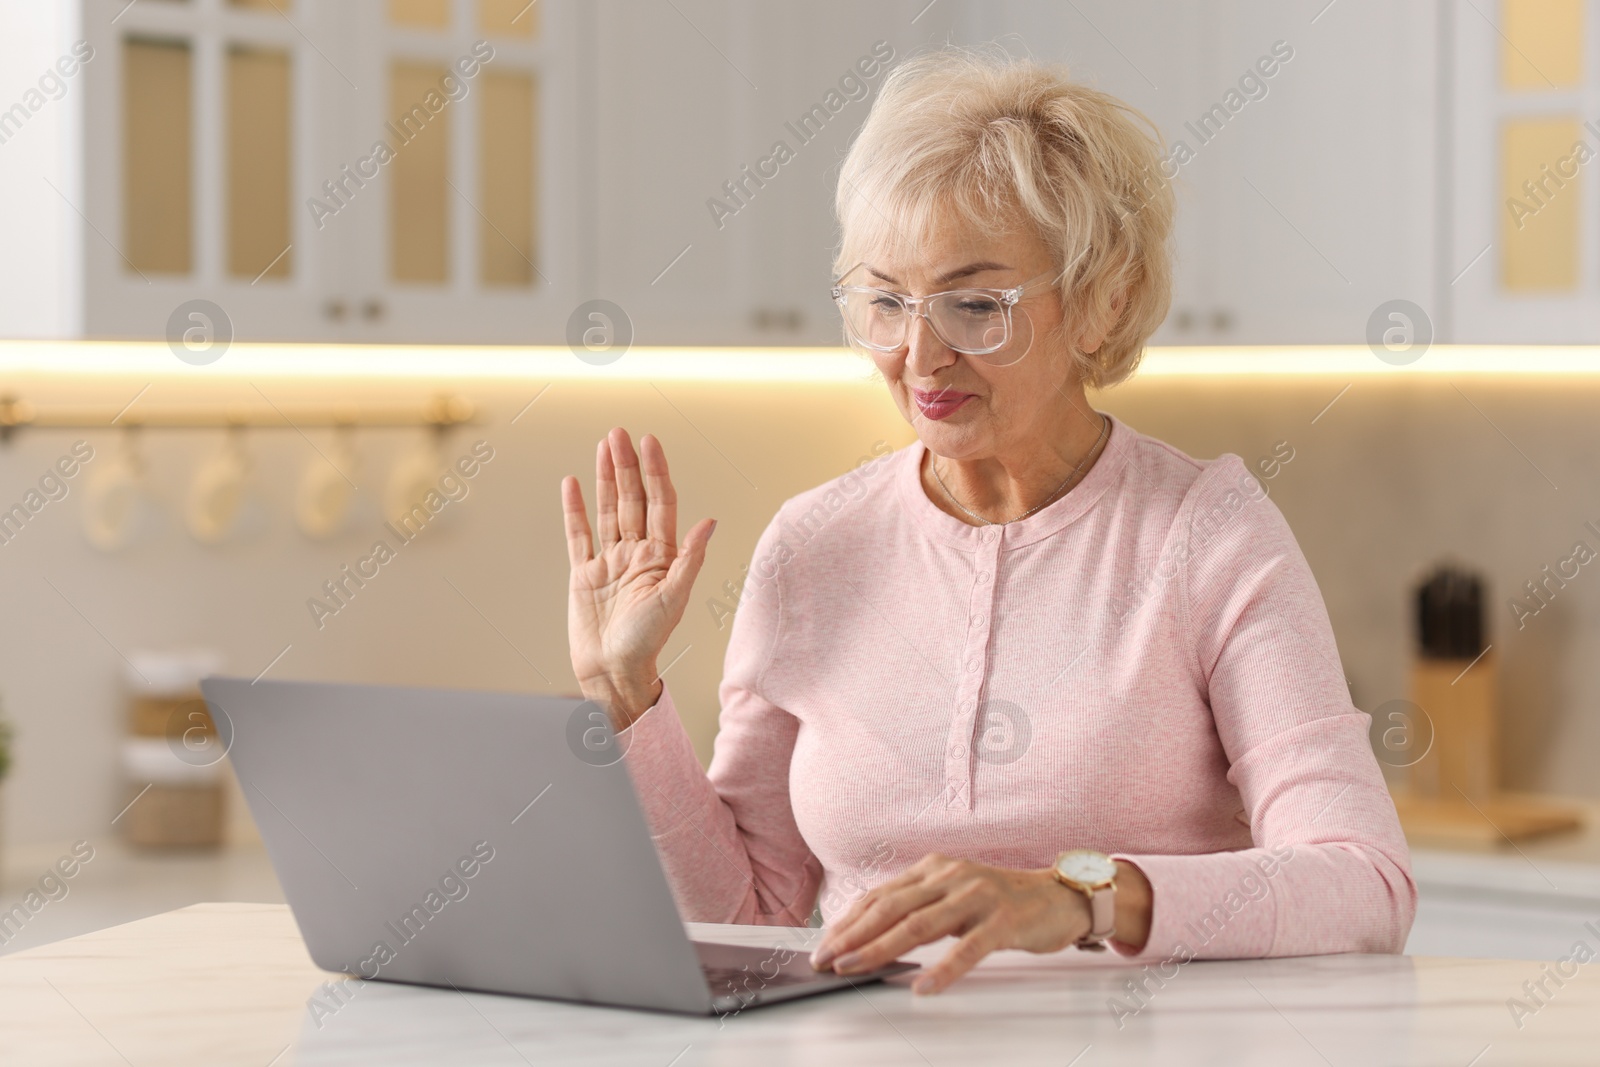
14,412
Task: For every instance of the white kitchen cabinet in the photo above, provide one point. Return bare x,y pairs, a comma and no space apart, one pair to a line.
1324,205
231,153
1523,180
708,232
662,91
1306,200
1156,58
1365,169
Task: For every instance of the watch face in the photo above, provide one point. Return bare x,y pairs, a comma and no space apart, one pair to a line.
1087,867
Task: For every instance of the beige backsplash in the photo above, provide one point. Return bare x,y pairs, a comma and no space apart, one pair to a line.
1399,474
1394,476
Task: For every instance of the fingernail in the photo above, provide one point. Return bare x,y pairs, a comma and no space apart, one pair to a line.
821,957
848,962
712,530
923,984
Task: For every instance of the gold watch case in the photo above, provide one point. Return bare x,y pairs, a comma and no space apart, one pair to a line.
1085,870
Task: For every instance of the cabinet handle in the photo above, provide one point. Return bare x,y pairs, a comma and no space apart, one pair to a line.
334,310
789,319
372,310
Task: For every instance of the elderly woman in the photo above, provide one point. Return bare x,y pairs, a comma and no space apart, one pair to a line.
1037,680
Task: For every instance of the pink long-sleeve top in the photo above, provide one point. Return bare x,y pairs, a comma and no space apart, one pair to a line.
1144,667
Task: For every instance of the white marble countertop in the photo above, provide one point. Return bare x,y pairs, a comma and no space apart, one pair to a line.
230,984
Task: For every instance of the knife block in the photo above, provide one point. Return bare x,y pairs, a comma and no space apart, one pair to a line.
1457,698
1452,794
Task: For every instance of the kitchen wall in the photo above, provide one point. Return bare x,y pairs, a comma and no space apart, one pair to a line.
1399,472
477,600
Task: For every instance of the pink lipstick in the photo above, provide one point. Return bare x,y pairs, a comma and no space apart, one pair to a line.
939,404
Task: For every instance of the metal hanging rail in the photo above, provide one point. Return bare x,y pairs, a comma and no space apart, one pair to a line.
442,412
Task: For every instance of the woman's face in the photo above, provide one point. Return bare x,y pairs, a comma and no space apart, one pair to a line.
961,406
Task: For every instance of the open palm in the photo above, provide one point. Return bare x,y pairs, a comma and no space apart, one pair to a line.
626,598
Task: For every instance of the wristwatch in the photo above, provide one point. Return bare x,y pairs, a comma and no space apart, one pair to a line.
1094,874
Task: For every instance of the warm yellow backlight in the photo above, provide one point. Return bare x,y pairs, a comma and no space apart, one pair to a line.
413,363
1347,361
402,363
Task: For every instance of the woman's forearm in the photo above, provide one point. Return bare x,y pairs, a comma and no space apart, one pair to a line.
745,865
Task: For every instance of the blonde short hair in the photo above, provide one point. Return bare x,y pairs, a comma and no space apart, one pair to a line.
1000,140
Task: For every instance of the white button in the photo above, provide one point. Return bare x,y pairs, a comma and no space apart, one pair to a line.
990,535
977,620
983,576
972,667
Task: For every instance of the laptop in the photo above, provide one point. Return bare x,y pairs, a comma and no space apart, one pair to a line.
478,841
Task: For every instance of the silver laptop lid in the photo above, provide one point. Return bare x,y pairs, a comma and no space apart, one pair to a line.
487,841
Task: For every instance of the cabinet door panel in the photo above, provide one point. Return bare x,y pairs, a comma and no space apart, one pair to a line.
246,153
667,88
719,132
1523,254
196,148
822,65
1323,188
464,229
1306,198
1153,56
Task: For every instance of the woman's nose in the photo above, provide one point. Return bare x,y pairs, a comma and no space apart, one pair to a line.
925,353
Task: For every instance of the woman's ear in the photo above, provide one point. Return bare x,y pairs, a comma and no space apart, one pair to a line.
1093,335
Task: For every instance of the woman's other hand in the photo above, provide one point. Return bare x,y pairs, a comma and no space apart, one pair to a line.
985,908
625,599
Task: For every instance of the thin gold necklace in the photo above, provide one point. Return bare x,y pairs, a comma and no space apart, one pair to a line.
1105,425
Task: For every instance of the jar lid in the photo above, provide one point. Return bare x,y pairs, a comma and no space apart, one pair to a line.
170,674
163,761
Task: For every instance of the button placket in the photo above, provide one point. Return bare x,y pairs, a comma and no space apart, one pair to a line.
960,757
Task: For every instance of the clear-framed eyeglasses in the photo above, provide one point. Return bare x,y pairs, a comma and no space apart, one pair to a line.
974,322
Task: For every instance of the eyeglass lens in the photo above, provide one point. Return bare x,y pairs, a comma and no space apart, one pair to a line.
968,322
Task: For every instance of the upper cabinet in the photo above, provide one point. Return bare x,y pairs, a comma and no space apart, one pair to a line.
1311,184
480,170
1298,142
372,170
719,129
1524,250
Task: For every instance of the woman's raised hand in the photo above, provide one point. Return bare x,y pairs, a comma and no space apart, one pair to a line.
625,599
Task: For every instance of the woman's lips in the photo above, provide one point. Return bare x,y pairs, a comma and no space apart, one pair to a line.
940,404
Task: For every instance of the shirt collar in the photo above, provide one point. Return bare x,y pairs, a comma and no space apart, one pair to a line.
1048,520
